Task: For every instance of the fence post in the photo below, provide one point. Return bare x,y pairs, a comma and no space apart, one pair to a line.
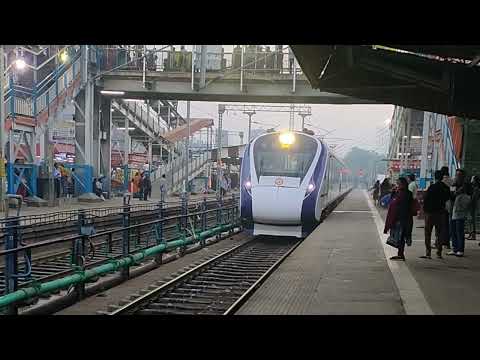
11,268
159,233
232,214
126,233
183,221
219,212
204,219
78,251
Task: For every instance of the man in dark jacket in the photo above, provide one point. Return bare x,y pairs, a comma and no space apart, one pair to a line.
435,215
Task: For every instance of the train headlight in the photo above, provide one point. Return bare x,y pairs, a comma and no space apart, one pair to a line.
248,187
286,139
310,189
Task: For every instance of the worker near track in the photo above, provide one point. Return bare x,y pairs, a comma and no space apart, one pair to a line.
436,215
399,219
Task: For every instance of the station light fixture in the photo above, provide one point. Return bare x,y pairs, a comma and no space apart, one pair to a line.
133,100
64,56
122,128
20,64
112,92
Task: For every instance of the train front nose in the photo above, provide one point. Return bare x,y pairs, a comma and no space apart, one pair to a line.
277,204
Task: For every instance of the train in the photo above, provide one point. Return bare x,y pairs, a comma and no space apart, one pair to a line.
287,180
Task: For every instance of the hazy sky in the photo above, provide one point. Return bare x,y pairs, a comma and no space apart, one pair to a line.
363,125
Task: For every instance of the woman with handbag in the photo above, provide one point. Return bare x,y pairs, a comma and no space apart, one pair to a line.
399,219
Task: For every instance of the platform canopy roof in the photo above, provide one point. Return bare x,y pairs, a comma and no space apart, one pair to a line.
441,79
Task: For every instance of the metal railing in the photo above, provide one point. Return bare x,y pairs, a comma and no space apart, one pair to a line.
195,165
256,62
109,251
147,116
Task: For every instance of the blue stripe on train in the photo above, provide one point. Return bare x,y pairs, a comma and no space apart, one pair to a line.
246,198
309,204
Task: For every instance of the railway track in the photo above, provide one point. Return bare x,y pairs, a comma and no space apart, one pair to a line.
59,264
219,285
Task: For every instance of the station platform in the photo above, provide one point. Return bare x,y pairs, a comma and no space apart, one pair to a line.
343,268
73,204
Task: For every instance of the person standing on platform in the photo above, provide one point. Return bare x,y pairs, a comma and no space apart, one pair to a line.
434,202
56,180
146,186
71,184
412,185
291,60
163,187
99,188
279,58
474,206
461,203
269,60
237,58
399,219
447,180
137,184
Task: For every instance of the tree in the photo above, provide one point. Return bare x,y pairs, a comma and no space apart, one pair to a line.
363,160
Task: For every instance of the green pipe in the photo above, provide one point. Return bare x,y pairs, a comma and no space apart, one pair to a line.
111,266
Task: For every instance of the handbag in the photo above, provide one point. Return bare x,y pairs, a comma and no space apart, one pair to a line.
392,242
394,237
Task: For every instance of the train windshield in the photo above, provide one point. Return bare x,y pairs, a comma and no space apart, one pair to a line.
271,159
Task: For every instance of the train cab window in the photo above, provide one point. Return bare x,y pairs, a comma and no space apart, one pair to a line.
271,159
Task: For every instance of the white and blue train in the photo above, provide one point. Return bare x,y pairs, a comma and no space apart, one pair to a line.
287,180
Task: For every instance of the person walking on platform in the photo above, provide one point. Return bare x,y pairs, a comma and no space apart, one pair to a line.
474,206
399,219
71,184
434,208
461,202
376,192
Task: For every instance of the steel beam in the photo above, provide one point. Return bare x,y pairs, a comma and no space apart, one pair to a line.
170,87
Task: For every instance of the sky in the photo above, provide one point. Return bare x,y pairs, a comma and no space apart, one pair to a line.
351,125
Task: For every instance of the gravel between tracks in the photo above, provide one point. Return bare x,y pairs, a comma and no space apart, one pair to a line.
165,272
